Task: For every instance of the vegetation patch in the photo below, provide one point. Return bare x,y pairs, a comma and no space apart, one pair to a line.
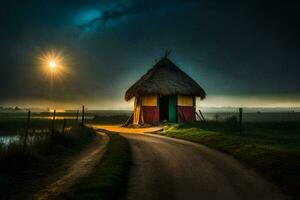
108,179
22,170
108,119
271,148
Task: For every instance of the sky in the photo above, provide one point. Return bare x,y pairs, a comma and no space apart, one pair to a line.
243,53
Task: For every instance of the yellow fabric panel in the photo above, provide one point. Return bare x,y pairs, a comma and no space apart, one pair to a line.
185,100
138,117
149,100
136,112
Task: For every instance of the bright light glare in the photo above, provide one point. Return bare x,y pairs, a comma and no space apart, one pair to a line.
52,64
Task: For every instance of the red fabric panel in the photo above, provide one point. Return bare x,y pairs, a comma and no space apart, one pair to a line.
151,114
186,113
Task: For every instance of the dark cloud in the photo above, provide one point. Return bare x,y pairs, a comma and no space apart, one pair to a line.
229,47
133,8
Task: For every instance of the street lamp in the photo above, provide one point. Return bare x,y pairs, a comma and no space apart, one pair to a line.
55,67
53,62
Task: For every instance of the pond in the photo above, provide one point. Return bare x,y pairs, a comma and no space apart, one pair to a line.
6,140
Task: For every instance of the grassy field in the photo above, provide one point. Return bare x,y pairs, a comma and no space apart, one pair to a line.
23,172
116,119
272,149
15,123
12,121
16,126
108,179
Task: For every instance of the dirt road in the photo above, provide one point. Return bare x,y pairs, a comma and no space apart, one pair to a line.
166,168
80,166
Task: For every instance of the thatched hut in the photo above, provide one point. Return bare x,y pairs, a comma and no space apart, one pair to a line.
164,93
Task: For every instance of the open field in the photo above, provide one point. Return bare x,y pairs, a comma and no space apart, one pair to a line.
15,123
273,149
25,171
16,126
42,158
217,114
255,116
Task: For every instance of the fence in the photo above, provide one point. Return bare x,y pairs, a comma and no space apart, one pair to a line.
249,115
53,128
230,117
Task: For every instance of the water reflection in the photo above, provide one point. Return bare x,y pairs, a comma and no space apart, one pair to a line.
6,140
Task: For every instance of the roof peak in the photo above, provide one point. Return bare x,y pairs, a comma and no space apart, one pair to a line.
167,53
165,78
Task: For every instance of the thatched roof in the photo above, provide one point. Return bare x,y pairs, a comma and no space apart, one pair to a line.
165,78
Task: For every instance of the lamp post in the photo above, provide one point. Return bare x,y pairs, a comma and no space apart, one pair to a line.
54,65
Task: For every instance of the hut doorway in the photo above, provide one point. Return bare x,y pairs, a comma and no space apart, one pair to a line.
164,108
167,108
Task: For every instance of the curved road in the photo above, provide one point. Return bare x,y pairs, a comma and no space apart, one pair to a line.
166,168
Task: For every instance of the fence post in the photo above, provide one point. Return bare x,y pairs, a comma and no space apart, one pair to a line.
241,119
202,116
82,119
77,115
52,127
26,131
197,115
64,126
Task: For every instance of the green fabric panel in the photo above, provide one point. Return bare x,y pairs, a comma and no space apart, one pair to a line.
139,100
172,109
194,101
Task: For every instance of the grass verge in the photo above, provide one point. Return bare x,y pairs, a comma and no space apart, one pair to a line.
280,164
23,172
109,177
